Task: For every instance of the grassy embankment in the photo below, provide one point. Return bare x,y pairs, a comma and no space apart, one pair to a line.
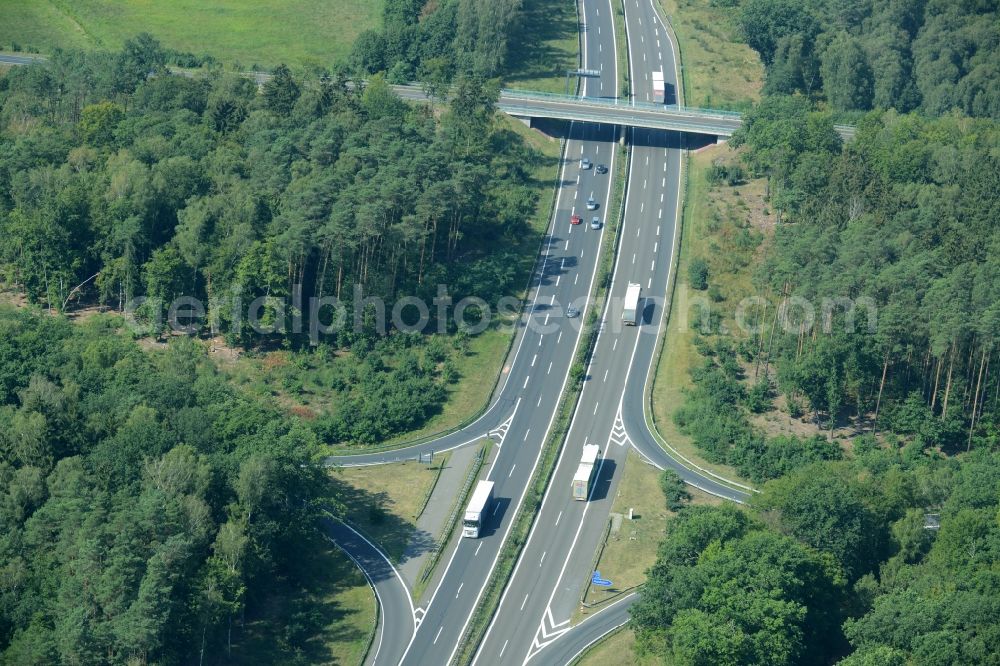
266,32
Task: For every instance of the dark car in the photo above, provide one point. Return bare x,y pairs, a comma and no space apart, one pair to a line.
572,312
601,168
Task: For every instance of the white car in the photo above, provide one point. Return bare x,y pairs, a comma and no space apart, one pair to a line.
591,204
595,223
585,163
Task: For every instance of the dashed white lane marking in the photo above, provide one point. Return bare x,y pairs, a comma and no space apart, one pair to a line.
649,283
656,246
581,254
459,590
497,507
526,382
558,278
642,206
558,338
661,197
652,266
664,166
508,476
550,368
533,359
525,601
614,345
647,159
606,374
438,634
567,245
526,434
547,320
504,647
597,149
643,183
595,407
542,560
657,230
552,300
539,403
633,257
638,231
663,183
577,277
575,195
540,340
660,214
477,549
558,517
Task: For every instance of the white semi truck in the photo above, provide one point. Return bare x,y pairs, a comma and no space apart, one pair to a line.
586,472
659,88
475,513
630,314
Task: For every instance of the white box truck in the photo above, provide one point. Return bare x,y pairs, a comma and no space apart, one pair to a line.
586,472
659,87
475,513
630,315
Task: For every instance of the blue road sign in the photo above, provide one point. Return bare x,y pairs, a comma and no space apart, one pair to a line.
597,580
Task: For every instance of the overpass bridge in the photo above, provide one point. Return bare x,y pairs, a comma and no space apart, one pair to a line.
612,111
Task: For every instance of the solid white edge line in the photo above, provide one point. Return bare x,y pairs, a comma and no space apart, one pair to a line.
378,597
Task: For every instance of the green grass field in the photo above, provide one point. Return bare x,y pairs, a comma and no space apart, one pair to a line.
720,71
263,32
385,499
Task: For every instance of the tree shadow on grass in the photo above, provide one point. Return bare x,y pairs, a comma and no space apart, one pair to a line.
372,514
300,619
531,54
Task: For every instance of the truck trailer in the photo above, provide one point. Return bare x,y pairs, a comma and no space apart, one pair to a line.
630,315
586,472
659,87
476,511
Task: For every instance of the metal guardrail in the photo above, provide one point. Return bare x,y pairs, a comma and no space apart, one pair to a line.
605,102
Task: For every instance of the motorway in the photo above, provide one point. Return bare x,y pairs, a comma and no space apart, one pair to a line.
555,565
540,368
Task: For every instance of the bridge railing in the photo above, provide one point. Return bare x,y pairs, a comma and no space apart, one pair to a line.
622,116
604,102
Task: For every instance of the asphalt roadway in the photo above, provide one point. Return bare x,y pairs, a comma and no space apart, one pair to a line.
555,565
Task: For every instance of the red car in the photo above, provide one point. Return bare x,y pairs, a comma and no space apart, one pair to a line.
576,219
